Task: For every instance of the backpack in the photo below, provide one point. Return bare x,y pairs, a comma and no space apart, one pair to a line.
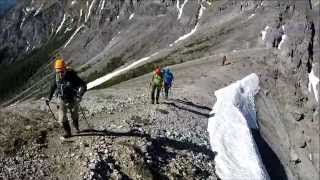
168,77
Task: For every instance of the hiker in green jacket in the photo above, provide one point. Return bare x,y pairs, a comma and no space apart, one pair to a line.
156,84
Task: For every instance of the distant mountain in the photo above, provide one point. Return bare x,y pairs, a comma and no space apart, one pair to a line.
5,5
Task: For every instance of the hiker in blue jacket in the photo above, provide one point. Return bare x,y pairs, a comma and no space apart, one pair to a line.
167,80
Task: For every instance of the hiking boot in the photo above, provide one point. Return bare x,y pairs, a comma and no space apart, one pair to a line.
67,130
157,102
77,130
152,102
66,136
76,126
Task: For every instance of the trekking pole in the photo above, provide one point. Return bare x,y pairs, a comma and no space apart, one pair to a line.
82,112
51,112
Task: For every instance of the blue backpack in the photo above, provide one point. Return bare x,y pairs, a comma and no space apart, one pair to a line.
168,77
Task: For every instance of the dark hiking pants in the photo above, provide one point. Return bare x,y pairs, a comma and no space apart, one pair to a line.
166,90
155,89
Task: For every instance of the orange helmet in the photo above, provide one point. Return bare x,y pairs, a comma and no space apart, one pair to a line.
59,65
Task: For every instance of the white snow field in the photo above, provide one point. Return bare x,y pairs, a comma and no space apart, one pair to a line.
107,77
229,129
313,82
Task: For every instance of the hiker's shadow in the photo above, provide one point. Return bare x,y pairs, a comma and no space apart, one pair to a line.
94,132
160,141
190,103
269,158
159,151
194,108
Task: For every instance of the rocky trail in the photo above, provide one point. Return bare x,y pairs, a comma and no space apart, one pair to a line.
125,137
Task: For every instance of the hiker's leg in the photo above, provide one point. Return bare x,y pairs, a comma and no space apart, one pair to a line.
152,93
75,115
166,91
158,94
62,113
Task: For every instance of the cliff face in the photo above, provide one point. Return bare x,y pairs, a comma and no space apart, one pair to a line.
30,24
88,34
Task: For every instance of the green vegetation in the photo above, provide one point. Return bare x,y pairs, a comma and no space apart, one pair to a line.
113,64
13,77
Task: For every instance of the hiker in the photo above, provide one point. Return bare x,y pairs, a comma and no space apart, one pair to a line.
156,84
69,90
225,61
167,78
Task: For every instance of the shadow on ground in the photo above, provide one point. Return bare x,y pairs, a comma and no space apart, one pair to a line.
162,141
190,103
157,153
189,106
270,160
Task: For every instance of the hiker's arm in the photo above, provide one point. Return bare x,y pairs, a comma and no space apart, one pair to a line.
83,88
52,90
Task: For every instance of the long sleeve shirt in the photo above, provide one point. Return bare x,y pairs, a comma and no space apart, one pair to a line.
71,77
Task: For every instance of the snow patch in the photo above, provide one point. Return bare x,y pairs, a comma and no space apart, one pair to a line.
73,2
283,38
186,35
202,8
28,9
61,24
38,10
229,130
80,16
107,77
193,30
251,16
67,30
75,33
28,46
313,82
89,13
22,22
131,16
180,9
264,32
102,6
